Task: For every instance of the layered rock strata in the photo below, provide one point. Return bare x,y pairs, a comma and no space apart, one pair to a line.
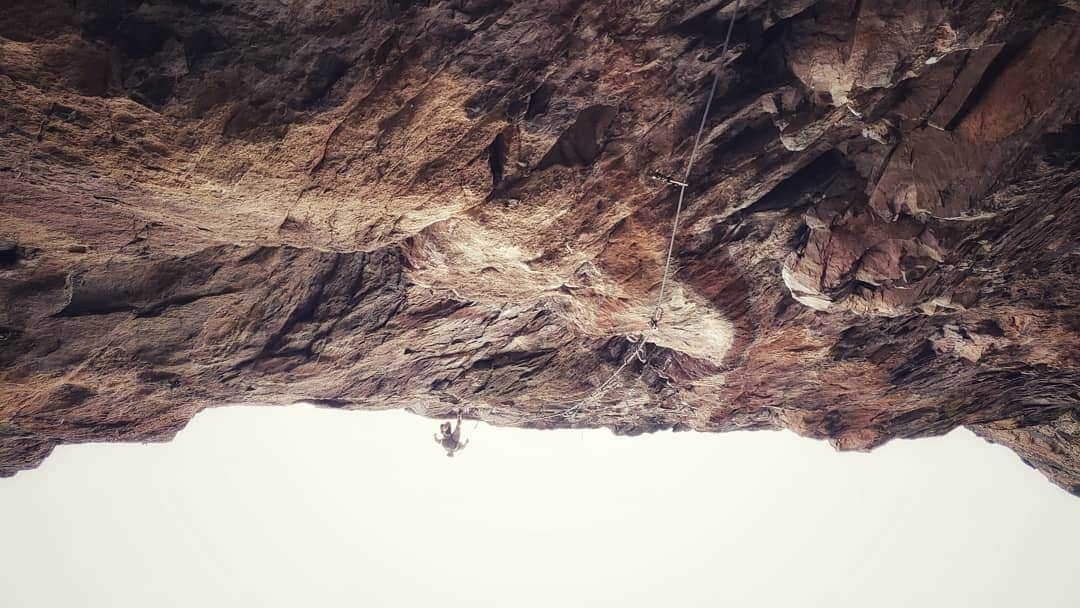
446,206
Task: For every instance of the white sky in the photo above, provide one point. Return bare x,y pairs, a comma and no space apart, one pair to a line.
301,506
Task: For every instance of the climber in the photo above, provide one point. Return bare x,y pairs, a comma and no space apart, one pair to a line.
451,440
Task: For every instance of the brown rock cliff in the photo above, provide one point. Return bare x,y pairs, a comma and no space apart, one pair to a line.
445,205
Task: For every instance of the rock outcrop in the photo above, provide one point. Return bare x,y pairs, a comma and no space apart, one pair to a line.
446,205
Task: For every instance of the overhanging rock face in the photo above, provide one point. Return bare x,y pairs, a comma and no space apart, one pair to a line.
446,206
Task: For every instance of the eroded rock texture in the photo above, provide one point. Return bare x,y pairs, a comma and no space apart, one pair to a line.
445,204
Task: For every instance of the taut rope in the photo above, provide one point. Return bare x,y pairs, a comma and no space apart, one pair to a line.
658,312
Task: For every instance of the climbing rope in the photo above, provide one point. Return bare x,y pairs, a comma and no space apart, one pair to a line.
658,312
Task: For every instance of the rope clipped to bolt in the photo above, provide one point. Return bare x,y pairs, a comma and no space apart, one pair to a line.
638,352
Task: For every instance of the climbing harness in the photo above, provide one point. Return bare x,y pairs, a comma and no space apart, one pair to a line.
638,352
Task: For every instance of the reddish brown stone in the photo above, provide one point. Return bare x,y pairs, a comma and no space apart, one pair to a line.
446,206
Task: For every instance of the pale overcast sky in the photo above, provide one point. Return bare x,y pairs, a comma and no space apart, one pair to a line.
306,507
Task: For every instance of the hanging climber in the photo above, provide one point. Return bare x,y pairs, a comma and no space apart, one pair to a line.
451,440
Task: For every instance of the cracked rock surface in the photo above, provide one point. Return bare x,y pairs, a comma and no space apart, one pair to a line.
446,205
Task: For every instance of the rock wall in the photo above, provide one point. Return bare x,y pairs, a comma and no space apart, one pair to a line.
446,205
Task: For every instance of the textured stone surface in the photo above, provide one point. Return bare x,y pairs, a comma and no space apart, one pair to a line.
445,205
